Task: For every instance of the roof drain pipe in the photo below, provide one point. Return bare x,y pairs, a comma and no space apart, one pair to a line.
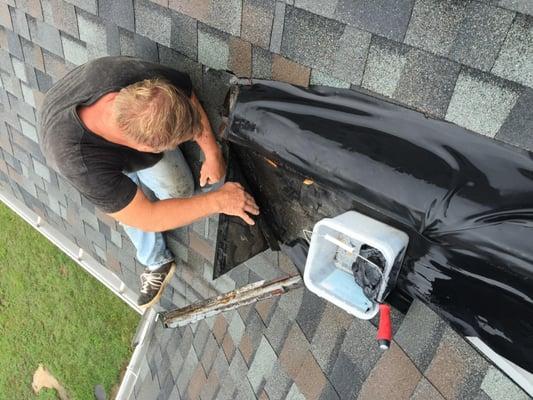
140,343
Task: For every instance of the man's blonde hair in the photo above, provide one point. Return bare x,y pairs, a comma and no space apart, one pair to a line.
155,113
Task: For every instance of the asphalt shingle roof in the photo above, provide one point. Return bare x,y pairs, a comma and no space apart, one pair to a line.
467,62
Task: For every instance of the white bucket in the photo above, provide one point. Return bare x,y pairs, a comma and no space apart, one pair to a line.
325,273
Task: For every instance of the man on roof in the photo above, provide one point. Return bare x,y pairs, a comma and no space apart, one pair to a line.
112,128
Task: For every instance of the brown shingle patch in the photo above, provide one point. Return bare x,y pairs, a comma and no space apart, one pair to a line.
310,380
288,71
197,383
246,348
294,351
229,347
394,377
240,57
219,328
201,246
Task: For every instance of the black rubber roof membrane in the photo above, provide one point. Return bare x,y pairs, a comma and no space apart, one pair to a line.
466,201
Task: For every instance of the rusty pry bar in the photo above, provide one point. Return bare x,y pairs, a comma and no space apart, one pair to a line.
243,296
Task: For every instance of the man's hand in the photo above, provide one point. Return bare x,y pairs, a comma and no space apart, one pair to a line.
213,168
232,199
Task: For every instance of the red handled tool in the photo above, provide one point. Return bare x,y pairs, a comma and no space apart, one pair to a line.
385,327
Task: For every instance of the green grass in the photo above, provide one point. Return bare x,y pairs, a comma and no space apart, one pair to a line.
52,312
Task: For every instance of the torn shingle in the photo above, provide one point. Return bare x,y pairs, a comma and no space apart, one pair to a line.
310,39
481,102
257,18
515,61
387,18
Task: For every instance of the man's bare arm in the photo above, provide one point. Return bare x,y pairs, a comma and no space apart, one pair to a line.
164,215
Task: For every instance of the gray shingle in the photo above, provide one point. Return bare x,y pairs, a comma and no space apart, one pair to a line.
500,387
27,94
13,43
20,23
480,35
481,102
213,49
145,48
153,21
257,17
434,25
28,129
126,43
32,54
61,15
87,5
324,79
262,364
75,51
387,18
19,69
11,84
5,61
384,66
277,27
261,63
518,127
46,36
44,81
427,82
41,170
351,55
31,7
119,12
92,32
220,14
324,8
515,61
420,334
310,39
5,16
184,35
522,6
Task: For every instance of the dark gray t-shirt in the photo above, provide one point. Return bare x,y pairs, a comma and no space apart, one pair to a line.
92,164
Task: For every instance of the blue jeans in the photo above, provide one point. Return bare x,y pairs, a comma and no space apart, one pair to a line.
170,178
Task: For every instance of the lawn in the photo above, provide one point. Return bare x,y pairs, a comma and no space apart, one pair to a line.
54,313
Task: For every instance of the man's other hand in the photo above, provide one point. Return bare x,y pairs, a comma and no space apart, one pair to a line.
232,199
213,169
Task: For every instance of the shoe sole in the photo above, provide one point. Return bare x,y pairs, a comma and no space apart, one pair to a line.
163,286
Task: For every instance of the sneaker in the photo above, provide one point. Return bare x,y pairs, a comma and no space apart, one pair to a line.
153,283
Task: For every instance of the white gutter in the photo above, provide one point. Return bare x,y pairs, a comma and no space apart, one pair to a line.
141,341
88,263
